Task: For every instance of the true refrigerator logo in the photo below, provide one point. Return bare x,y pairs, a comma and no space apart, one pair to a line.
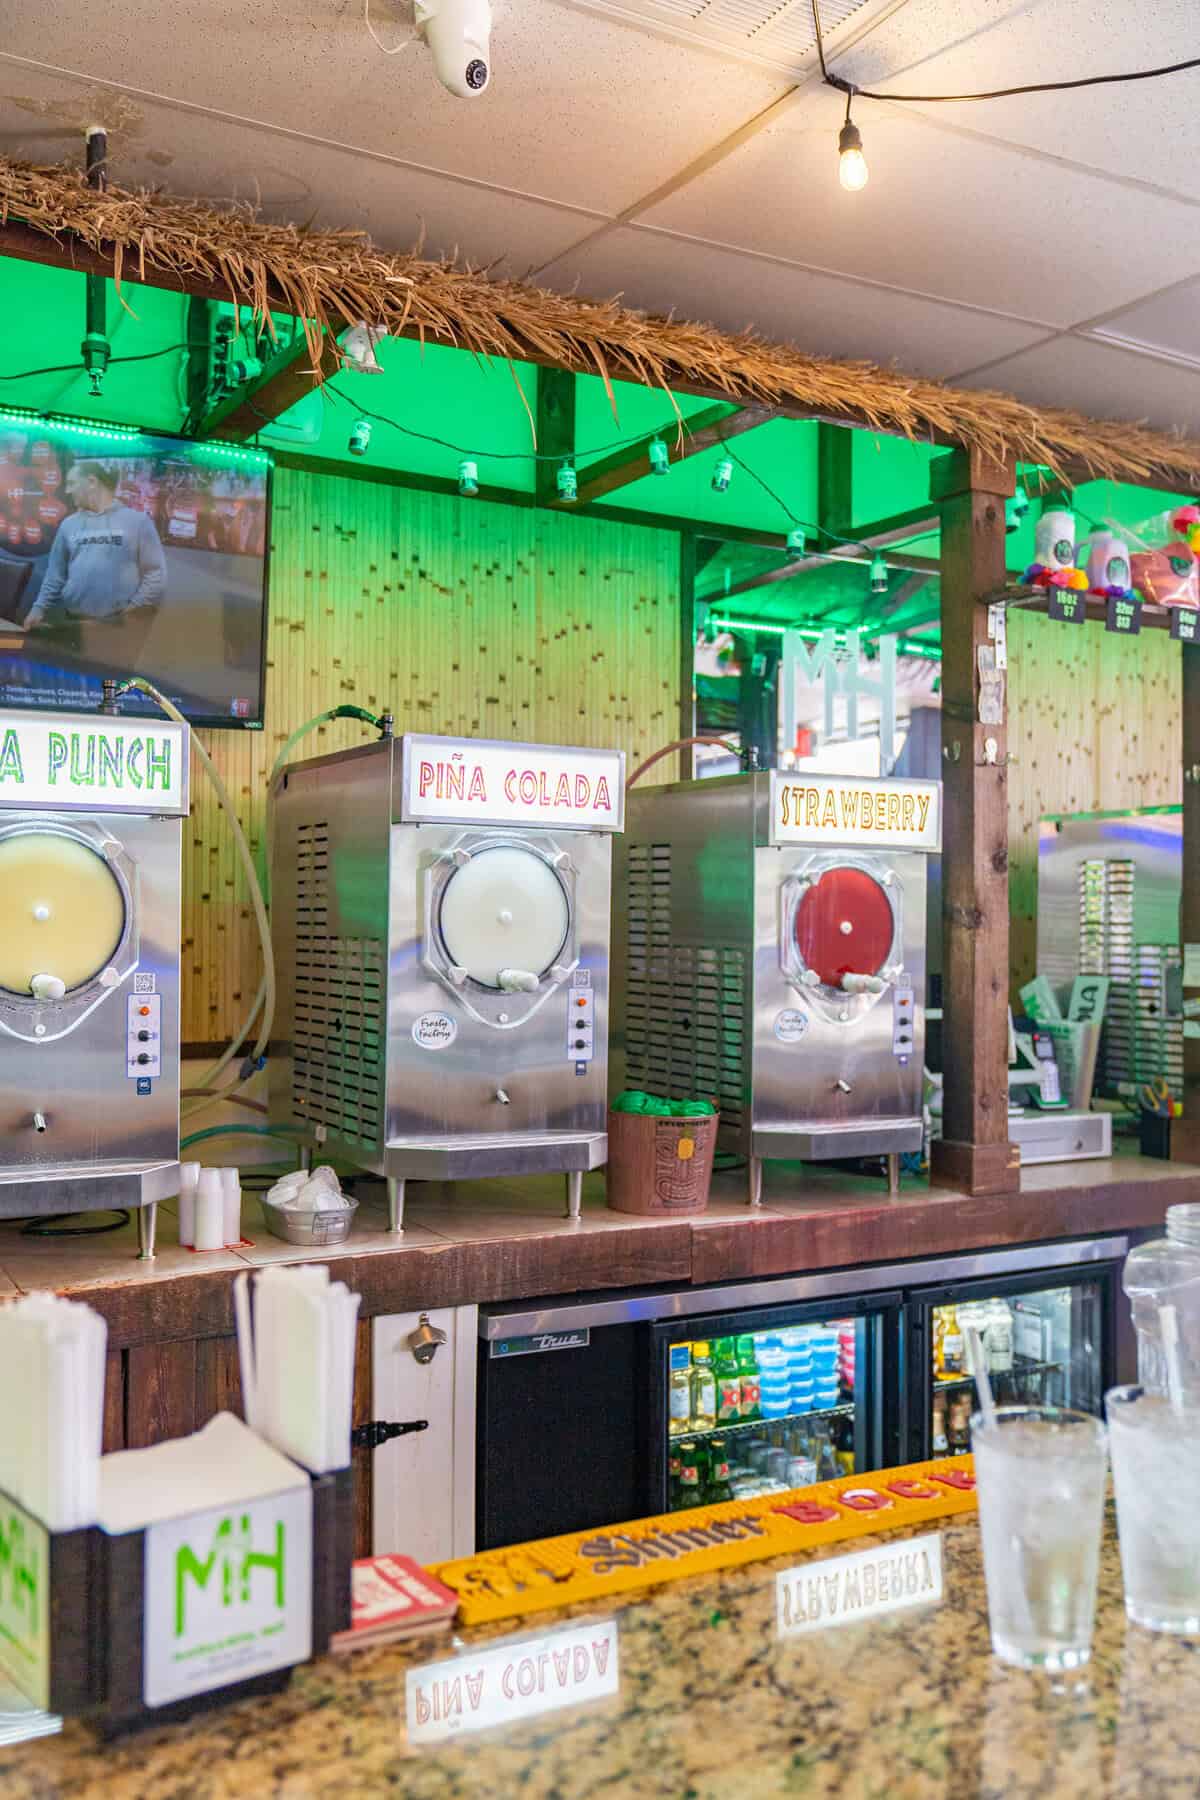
228,1595
231,1564
541,1341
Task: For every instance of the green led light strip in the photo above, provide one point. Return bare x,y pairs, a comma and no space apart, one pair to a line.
25,418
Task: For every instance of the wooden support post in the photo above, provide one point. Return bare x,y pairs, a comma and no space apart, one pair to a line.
835,479
687,649
555,430
974,1153
1185,1132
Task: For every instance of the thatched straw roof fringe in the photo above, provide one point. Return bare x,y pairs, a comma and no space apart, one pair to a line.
327,278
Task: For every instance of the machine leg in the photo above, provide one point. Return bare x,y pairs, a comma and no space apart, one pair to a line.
893,1173
574,1193
754,1180
147,1226
395,1191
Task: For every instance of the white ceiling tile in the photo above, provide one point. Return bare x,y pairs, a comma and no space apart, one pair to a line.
580,109
819,313
397,207
940,215
1148,131
1101,381
1169,322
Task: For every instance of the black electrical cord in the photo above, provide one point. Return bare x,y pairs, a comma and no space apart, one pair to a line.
51,1225
78,367
1030,87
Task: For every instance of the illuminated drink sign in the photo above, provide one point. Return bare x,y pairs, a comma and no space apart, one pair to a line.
452,780
878,815
89,762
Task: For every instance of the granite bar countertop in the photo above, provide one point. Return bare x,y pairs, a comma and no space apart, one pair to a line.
710,1704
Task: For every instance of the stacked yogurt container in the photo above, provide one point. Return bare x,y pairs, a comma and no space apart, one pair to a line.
825,1355
797,1345
775,1391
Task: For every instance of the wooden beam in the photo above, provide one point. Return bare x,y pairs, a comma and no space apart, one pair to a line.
555,429
835,480
687,649
706,430
973,1154
286,379
851,553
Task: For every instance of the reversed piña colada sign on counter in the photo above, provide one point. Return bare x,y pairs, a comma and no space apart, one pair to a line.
592,1565
480,782
838,809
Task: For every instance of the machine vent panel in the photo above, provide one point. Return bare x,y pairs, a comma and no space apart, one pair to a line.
1143,1032
685,1031
337,1029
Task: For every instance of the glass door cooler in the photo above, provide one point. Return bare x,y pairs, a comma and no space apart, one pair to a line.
746,1403
1048,1334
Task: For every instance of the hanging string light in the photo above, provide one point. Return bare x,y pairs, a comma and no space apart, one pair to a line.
722,475
853,172
797,544
879,574
468,478
660,457
567,481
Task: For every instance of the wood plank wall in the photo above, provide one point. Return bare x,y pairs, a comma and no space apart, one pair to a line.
1094,723
460,616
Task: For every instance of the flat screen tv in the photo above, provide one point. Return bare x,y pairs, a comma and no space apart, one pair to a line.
131,553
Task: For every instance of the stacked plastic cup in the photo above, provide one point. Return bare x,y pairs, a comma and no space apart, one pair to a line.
775,1391
825,1354
846,1340
797,1345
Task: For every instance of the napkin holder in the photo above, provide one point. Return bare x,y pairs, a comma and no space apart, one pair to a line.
52,1644
85,1652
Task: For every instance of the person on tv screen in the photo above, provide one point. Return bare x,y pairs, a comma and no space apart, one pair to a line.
106,566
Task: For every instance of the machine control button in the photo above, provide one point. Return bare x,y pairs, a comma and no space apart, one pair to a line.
143,1059
143,1037
143,1027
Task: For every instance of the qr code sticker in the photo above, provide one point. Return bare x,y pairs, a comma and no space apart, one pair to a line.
143,984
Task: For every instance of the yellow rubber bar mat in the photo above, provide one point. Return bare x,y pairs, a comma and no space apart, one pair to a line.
590,1565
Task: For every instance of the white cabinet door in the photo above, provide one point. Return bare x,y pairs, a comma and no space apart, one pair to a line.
423,1485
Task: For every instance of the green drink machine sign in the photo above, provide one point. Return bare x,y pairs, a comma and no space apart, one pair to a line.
228,1595
24,1602
93,762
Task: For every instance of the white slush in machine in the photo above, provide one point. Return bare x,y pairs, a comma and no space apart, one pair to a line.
90,840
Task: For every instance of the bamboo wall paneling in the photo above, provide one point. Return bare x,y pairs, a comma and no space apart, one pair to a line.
1094,722
460,616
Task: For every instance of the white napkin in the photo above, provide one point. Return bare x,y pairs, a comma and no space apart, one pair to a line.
301,1363
52,1353
222,1464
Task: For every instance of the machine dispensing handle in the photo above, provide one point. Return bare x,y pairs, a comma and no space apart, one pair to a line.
862,984
518,981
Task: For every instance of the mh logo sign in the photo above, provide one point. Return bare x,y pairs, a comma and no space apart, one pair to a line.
228,1595
233,1561
838,670
24,1602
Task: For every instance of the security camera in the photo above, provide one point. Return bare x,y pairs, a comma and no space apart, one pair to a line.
458,35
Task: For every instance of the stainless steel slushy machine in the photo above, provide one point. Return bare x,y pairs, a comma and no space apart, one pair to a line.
440,912
90,828
769,953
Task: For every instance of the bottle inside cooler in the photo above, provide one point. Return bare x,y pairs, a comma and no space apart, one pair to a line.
1041,1349
768,1411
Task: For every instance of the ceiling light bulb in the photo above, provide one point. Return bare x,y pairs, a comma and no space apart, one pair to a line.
852,164
660,458
879,575
468,478
567,481
796,543
722,475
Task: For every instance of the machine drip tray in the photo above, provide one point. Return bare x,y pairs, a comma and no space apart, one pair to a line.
822,1143
498,1153
43,1189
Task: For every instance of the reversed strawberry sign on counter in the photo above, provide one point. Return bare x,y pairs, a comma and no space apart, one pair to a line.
593,1565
